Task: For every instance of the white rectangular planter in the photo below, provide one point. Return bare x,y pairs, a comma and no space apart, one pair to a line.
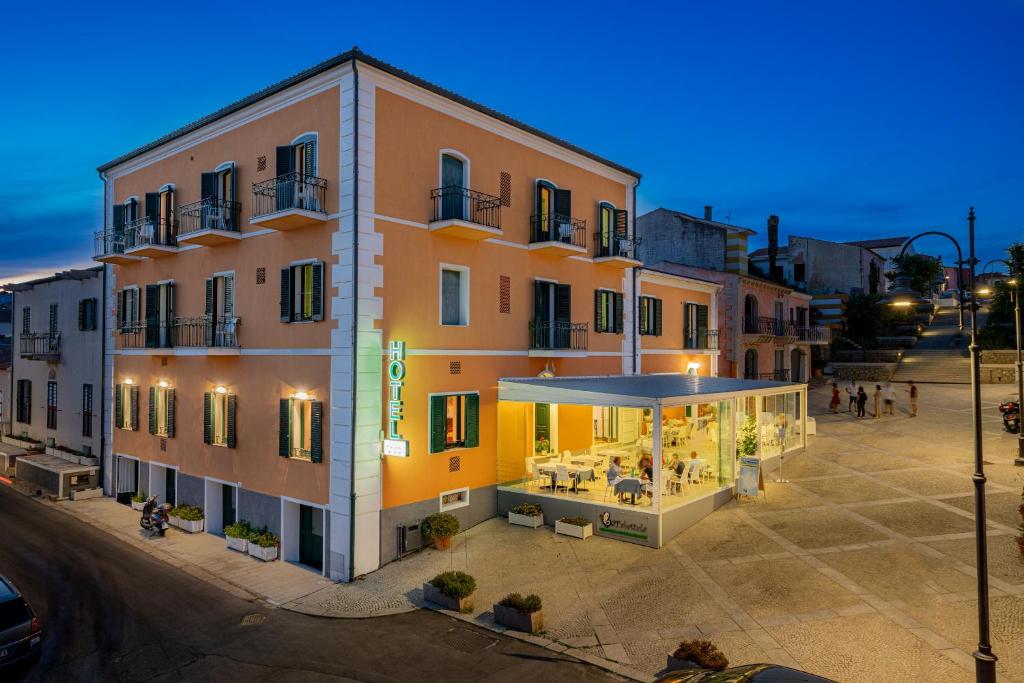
21,443
532,521
261,553
239,544
187,525
573,530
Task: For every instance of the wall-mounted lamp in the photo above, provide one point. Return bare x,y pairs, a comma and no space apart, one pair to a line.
163,384
221,390
692,367
300,395
129,381
548,372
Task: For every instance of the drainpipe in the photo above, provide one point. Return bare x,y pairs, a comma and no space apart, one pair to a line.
633,303
355,314
103,362
8,417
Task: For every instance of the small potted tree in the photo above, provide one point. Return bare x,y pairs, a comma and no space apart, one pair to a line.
263,545
519,613
439,528
139,500
692,654
526,514
237,536
451,590
577,527
189,518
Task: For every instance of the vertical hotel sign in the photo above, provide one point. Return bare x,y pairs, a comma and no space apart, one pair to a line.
394,444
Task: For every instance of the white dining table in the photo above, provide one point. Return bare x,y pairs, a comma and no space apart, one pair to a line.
587,460
578,472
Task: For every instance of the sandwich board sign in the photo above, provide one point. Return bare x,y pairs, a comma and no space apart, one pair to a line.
750,480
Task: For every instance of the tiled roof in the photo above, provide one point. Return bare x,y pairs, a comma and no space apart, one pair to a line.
358,55
880,243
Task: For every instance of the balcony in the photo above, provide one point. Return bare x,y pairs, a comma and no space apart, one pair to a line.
555,337
151,238
109,248
210,222
557,235
773,376
41,346
766,329
617,252
460,212
701,340
814,334
219,335
289,202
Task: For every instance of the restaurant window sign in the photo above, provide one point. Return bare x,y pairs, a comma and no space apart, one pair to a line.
394,444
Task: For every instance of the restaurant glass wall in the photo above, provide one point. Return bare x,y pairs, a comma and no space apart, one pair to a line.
776,419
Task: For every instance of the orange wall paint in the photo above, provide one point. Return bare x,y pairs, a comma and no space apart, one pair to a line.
575,427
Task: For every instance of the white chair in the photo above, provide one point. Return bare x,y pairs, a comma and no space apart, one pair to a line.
679,479
538,476
693,472
666,482
305,195
566,456
562,475
530,470
213,218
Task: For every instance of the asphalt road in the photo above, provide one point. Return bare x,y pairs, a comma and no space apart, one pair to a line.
111,612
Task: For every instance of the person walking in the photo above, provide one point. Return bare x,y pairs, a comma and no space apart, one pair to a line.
878,401
834,404
851,396
889,397
862,401
912,390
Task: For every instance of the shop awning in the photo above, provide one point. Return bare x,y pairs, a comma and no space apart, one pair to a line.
635,390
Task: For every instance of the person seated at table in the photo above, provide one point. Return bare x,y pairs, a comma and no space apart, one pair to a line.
615,473
647,475
677,465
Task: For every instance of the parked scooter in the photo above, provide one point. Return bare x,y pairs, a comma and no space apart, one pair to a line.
154,517
1011,416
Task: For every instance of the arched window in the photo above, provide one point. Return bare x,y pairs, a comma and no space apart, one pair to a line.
750,364
750,312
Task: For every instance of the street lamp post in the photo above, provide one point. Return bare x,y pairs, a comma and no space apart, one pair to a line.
1014,281
984,659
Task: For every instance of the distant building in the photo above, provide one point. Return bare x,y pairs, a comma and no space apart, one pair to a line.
886,247
764,328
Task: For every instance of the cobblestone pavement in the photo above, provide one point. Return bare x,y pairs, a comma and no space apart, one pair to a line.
859,569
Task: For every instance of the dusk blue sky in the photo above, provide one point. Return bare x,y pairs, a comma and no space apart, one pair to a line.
848,120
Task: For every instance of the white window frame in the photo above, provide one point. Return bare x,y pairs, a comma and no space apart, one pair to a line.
292,409
470,392
466,176
126,408
464,502
215,399
162,409
463,294
217,312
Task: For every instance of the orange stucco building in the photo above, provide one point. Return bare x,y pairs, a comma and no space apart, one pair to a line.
315,290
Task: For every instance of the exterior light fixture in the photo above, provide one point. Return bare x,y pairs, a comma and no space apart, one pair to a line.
163,384
548,372
692,367
129,381
984,291
221,390
300,395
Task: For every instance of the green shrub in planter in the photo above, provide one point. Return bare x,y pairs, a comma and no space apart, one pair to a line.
531,603
528,509
188,513
439,525
575,521
703,653
240,529
455,585
264,539
139,497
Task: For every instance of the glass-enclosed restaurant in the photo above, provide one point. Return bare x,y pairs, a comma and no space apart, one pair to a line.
588,446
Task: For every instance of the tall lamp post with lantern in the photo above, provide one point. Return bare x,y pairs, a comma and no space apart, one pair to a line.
984,659
1014,268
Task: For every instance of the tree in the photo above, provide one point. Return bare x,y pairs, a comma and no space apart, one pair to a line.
874,277
922,270
747,445
867,318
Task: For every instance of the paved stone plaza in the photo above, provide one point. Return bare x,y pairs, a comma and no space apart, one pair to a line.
859,569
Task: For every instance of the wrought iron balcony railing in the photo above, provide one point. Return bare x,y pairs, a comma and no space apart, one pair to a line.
815,334
769,327
774,375
553,227
289,191
40,345
210,214
613,245
108,242
201,332
459,203
700,339
554,334
144,232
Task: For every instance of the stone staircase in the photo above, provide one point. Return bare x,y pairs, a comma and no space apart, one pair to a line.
940,355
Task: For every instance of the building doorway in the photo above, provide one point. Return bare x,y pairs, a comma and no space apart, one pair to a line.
311,537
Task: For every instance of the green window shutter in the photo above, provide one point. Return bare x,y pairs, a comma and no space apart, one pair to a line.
286,295
207,417
283,158
211,323
702,318
207,185
309,147
472,420
318,291
118,407
438,424
283,436
657,317
232,407
81,314
170,413
152,410
618,313
316,424
135,407
152,317
153,206
599,318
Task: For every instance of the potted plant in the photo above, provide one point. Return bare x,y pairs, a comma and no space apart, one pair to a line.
526,514
578,527
189,518
139,500
237,536
439,528
542,446
522,614
451,590
263,545
693,654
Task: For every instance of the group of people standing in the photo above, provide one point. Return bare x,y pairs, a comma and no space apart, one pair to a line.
857,398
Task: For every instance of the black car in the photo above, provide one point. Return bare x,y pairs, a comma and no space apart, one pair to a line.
21,636
748,673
